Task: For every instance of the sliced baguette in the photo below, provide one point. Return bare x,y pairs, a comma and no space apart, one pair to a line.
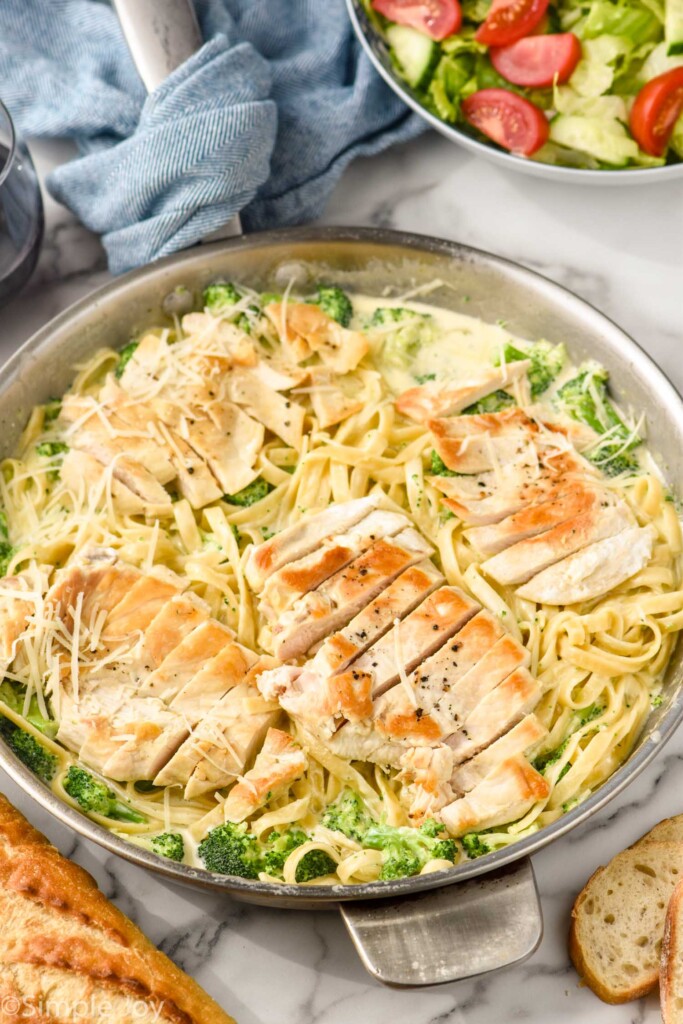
63,945
671,966
670,830
618,920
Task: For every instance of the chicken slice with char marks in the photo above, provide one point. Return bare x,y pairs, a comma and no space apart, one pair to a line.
416,637
594,570
103,584
508,792
535,519
521,739
480,453
185,659
397,600
171,624
223,744
447,687
433,399
279,763
195,480
336,601
300,538
142,601
198,696
521,561
503,707
292,581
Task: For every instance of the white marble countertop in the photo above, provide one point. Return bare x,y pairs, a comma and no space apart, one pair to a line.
622,249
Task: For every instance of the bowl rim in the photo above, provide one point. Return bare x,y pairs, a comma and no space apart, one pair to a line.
300,895
375,48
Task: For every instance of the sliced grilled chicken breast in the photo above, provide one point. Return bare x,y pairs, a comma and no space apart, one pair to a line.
519,563
397,600
432,400
185,660
594,570
279,414
535,519
293,580
323,703
299,539
279,763
102,584
508,792
426,773
336,601
304,329
416,637
140,604
521,739
509,702
171,624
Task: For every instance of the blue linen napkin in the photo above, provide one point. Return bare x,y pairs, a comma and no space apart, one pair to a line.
263,119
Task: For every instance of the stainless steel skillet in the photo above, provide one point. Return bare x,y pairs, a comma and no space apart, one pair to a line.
485,913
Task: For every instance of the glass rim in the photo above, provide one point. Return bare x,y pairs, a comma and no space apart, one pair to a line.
11,152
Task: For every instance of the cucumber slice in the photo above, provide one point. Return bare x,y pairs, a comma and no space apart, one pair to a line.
415,53
673,27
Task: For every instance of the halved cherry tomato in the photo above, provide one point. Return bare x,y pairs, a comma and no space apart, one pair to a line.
510,20
510,120
657,107
536,60
436,18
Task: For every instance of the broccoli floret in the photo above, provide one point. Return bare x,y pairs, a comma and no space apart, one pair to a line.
50,448
169,845
51,410
4,531
439,467
405,850
348,815
216,296
495,402
257,490
314,864
125,356
584,398
268,297
411,331
335,303
589,714
92,795
423,378
546,363
278,847
229,850
6,553
544,761
13,696
27,748
474,845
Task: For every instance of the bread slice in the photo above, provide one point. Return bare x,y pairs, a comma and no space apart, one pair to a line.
618,920
670,830
671,966
64,946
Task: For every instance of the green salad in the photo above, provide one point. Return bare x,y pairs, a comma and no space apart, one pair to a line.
580,83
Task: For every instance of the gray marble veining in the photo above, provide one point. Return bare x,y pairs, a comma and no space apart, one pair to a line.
623,252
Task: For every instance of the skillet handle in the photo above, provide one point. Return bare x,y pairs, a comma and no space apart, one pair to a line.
451,933
161,35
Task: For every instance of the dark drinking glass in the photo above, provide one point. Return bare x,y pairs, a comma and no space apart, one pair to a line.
21,211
